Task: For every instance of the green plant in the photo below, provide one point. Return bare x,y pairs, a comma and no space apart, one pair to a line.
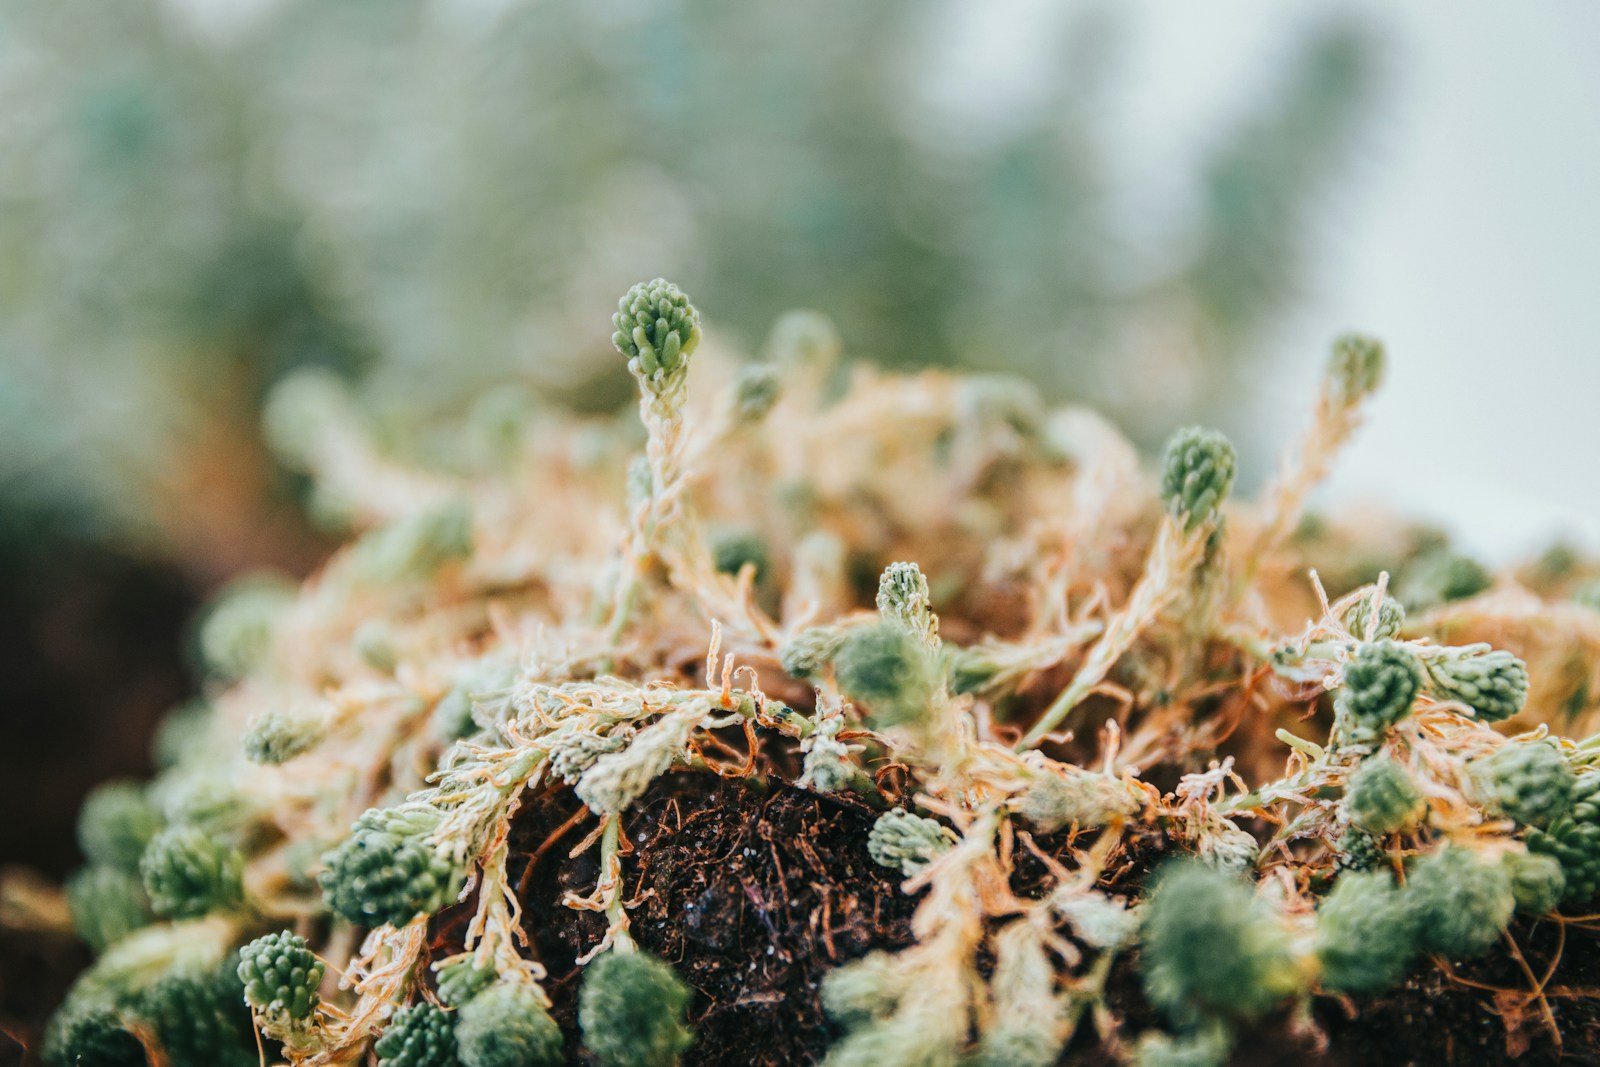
631,1011
1367,935
421,1035
1382,798
1380,686
281,976
1530,782
507,1026
387,871
1463,901
188,873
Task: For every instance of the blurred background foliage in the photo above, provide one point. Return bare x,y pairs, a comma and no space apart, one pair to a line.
432,197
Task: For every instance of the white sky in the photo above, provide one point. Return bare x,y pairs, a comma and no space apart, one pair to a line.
1470,241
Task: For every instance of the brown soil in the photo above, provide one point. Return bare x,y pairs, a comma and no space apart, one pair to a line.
755,891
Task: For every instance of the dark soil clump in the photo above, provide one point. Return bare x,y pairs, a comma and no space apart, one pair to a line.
752,891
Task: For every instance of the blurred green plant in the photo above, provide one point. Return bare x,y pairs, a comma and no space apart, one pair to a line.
441,195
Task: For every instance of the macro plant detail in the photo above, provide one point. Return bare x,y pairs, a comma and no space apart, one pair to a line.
1096,741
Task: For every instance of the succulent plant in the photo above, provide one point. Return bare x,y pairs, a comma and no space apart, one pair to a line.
507,1026
421,1035
281,976
1380,685
1381,798
631,1011
1530,782
386,871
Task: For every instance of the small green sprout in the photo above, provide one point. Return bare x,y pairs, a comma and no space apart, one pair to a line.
733,549
387,871
889,670
755,391
573,751
864,991
1212,947
828,766
1494,684
91,1035
631,1010
810,652
414,548
463,979
1356,367
1366,934
1537,881
657,329
1440,576
422,1035
188,873
1229,847
904,601
277,736
908,842
617,779
804,338
106,904
1196,474
1381,683
198,1017
1205,1046
1529,781
1382,799
508,1026
116,824
236,631
1574,840
281,976
1463,901
1357,618
1055,799
1358,850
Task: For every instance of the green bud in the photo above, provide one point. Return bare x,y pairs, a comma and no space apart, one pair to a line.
755,391
1057,797
614,781
801,338
413,548
387,870
657,329
1208,1046
888,670
1196,474
281,976
188,873
462,980
374,644
1537,881
859,993
1356,367
1574,840
1462,902
1493,684
90,1034
419,1036
1366,934
116,823
903,600
908,842
1212,947
199,1018
1357,618
106,904
1381,683
1381,798
1528,781
732,549
1439,576
1358,850
276,736
631,1010
236,631
809,653
508,1026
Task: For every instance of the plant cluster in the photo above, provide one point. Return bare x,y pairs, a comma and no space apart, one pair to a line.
1354,787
